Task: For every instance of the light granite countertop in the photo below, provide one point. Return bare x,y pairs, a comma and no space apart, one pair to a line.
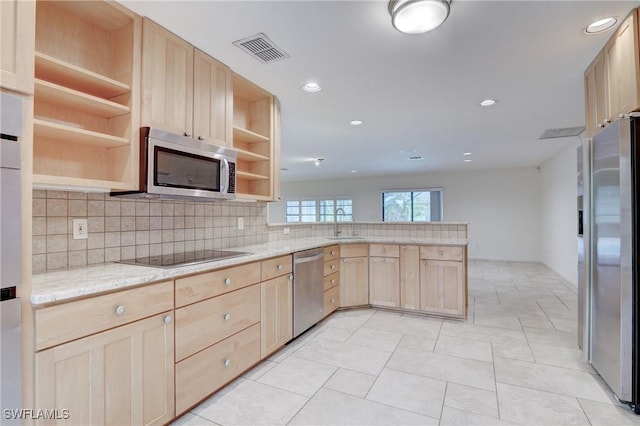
57,286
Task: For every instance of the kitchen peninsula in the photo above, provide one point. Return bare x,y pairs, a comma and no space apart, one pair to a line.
193,329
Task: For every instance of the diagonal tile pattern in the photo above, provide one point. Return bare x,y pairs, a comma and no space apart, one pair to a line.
515,360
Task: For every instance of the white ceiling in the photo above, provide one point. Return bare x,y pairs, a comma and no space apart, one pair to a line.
417,95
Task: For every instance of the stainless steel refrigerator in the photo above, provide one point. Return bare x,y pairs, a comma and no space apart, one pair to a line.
609,259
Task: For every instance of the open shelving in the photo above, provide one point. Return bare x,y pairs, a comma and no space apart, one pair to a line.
253,140
86,82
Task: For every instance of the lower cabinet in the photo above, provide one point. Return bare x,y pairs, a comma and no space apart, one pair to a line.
354,275
410,277
121,376
384,286
354,281
331,280
277,316
208,370
331,300
442,289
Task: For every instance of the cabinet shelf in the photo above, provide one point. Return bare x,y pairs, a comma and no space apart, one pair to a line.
252,176
81,184
63,96
53,69
46,129
250,156
244,135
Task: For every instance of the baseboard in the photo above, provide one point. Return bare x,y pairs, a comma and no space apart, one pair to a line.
568,280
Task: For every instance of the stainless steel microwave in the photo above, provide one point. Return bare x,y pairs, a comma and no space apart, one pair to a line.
177,167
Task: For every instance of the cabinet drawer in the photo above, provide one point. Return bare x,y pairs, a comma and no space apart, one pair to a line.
331,281
331,252
203,286
207,371
384,250
331,301
205,323
68,321
331,266
441,253
276,267
354,250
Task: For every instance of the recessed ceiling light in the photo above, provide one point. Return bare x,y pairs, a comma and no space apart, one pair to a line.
467,153
355,122
311,87
317,161
354,171
416,158
467,161
488,102
601,25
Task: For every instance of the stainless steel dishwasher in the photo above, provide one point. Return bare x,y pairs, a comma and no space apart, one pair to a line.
308,268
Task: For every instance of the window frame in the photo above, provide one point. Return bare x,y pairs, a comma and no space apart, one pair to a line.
318,201
412,191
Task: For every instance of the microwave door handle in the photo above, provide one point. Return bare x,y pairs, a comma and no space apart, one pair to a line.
224,185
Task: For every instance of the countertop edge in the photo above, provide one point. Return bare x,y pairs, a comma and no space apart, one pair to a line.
65,285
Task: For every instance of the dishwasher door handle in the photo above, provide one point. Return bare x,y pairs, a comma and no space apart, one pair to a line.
300,260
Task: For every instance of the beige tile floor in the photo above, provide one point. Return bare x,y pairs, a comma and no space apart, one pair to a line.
514,361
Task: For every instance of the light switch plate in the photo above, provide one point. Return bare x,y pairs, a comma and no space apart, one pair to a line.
80,229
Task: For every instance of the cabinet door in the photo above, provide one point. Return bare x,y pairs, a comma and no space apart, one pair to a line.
384,286
212,100
167,80
17,44
622,67
596,95
410,277
442,287
121,376
276,321
354,281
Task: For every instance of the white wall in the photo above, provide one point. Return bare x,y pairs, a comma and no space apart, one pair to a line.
558,213
501,206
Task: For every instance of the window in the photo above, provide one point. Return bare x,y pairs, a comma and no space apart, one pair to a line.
412,206
319,210
301,211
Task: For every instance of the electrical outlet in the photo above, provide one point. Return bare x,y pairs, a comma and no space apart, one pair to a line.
80,229
240,223
286,230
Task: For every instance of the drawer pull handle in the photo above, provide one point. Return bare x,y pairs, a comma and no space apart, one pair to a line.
119,310
227,362
227,281
279,267
227,317
333,281
344,260
167,319
332,252
333,301
333,266
440,252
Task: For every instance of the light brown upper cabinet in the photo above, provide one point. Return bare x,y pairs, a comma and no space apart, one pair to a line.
622,60
185,91
254,138
87,75
17,44
596,98
611,81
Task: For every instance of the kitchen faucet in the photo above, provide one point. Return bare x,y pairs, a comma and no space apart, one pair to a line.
337,230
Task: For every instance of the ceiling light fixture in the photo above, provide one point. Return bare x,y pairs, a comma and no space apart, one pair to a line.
311,87
467,153
418,16
488,102
356,122
467,161
354,171
317,161
601,25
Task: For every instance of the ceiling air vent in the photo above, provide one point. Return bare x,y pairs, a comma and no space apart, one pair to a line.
261,48
562,133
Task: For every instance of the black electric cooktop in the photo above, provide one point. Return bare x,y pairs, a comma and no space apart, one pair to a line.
182,259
